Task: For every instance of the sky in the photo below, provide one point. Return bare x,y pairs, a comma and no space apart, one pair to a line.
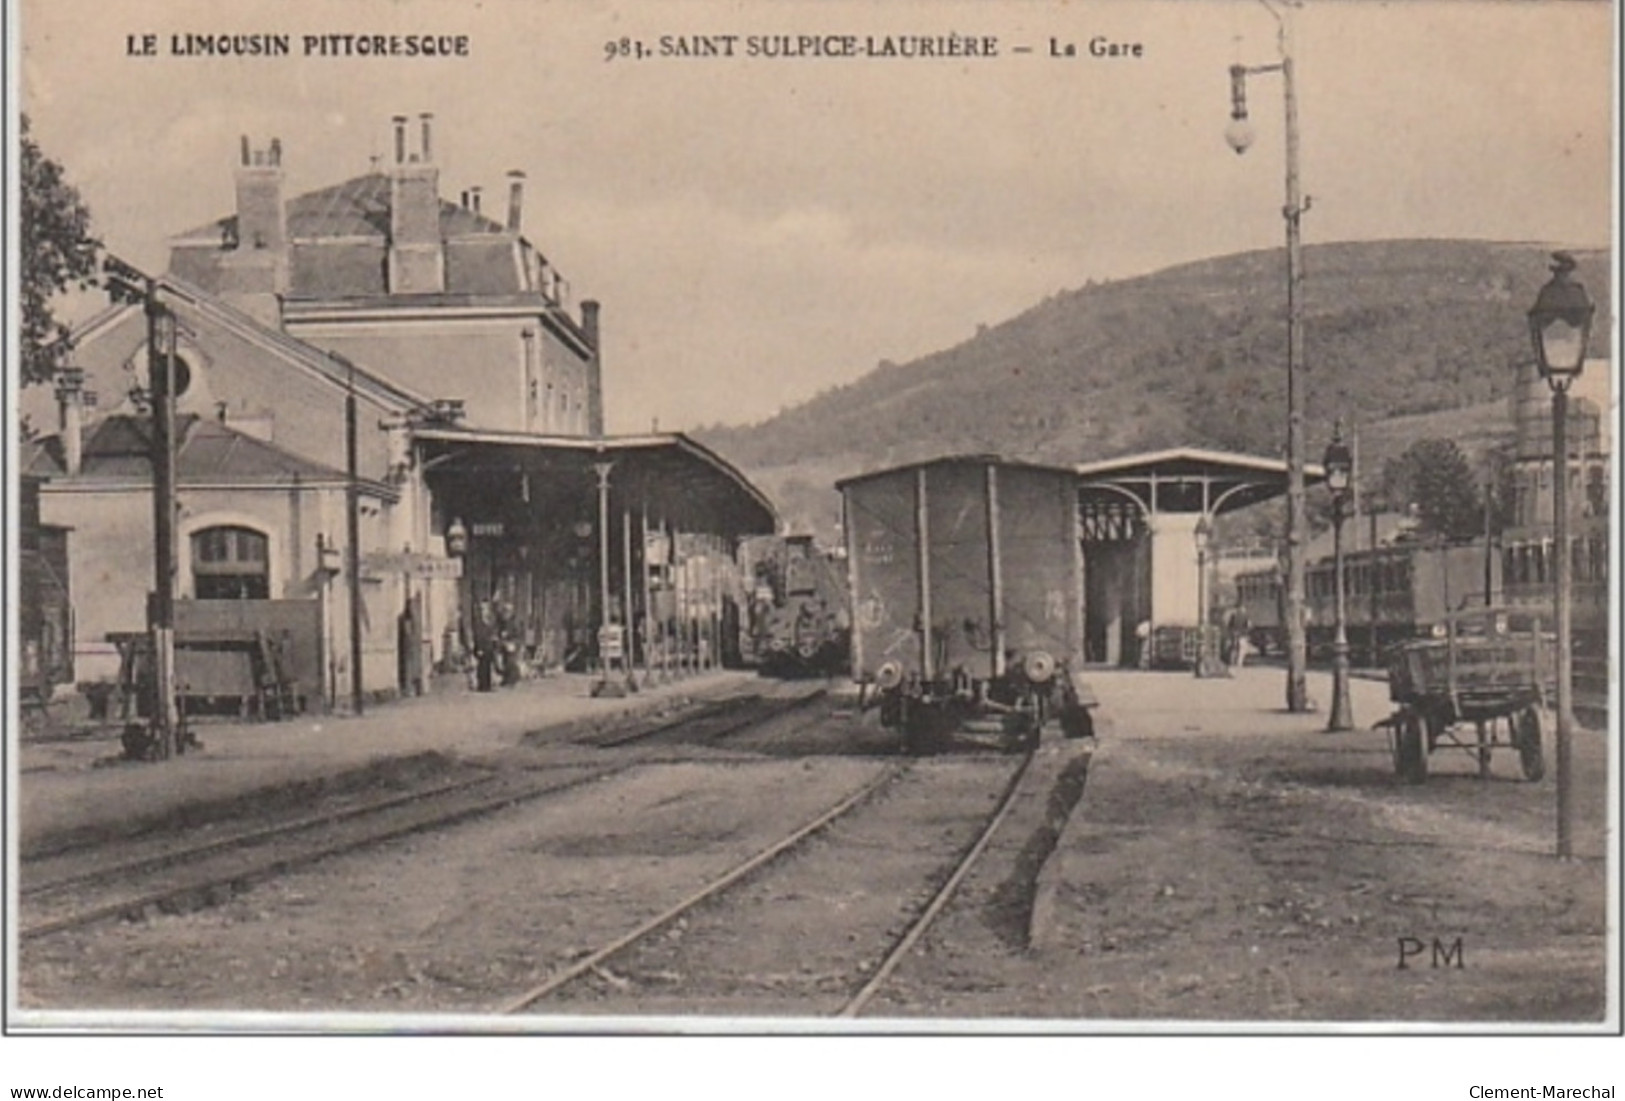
759,230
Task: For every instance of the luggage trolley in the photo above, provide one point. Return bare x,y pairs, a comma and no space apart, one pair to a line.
1492,668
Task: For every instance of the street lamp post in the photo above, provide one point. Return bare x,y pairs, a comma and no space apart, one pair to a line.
1239,134
1560,327
1339,463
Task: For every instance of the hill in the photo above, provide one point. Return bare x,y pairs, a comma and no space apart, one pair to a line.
1193,354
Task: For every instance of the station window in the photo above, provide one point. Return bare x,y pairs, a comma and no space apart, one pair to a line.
230,563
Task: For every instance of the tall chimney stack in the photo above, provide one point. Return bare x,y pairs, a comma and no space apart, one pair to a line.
254,273
516,200
595,369
70,398
474,198
417,255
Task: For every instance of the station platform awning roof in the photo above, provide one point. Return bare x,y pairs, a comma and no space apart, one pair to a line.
1192,479
680,482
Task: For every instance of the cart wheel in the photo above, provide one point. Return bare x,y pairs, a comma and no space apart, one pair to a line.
1526,737
1410,753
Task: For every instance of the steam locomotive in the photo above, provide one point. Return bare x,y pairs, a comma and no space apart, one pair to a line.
798,623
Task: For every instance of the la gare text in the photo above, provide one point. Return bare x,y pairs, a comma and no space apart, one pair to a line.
304,45
859,46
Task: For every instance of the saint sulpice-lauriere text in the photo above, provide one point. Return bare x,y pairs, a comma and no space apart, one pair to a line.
829,45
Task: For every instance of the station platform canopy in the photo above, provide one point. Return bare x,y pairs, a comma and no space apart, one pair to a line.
676,481
1191,479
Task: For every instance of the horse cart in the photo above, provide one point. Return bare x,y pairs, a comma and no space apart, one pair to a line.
1479,683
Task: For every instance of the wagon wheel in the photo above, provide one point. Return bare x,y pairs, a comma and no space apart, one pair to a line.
1410,753
1526,738
1482,750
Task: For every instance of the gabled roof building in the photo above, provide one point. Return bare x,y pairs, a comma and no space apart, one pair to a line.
381,269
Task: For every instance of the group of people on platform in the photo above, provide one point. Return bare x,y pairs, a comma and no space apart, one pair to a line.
1233,640
494,644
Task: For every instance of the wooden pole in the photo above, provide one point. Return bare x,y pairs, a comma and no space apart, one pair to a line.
352,495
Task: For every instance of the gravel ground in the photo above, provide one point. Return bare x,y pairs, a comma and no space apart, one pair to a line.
1243,866
455,921
1227,863
803,935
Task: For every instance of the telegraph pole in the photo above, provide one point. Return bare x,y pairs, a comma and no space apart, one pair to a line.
160,369
352,511
127,284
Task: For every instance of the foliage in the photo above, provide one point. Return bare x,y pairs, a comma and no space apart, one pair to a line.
1193,355
58,252
1434,482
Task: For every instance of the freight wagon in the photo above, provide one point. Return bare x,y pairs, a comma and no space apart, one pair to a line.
966,576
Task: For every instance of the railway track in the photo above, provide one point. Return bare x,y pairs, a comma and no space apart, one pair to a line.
878,968
58,894
712,723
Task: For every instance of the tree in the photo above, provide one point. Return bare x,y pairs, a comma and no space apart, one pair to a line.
1434,482
58,251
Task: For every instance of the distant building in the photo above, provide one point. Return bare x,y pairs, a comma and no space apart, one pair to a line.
1527,544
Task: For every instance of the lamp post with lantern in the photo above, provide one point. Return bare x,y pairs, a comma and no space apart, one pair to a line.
1560,328
1339,464
1239,135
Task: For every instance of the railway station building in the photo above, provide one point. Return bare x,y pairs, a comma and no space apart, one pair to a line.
1139,517
479,437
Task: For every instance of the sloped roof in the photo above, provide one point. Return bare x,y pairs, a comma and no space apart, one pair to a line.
679,479
357,207
119,448
1176,461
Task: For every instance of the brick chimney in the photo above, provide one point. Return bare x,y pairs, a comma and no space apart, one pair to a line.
70,400
516,200
417,255
595,369
254,273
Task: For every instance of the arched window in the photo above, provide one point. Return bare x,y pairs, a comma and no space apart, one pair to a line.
230,563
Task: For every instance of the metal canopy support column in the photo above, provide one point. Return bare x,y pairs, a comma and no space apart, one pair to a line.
1079,585
607,639
668,626
628,619
679,574
714,561
648,593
